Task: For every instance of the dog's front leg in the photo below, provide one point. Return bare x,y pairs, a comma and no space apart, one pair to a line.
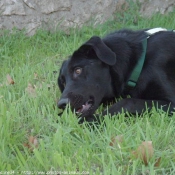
134,106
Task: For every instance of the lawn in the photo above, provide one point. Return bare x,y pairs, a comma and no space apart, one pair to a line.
35,140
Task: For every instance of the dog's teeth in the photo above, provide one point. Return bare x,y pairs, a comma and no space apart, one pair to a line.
83,108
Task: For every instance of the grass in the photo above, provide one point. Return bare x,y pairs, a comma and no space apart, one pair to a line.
60,145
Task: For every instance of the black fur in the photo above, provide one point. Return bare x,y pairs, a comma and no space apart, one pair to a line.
106,65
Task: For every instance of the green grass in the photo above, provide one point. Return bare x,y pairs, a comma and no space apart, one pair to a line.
63,144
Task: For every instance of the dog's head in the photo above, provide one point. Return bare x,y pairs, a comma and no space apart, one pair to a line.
84,79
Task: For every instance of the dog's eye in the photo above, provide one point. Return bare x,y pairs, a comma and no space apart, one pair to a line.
78,70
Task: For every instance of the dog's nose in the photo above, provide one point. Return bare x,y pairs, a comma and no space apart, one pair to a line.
63,102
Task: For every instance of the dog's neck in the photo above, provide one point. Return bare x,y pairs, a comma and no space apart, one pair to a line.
126,62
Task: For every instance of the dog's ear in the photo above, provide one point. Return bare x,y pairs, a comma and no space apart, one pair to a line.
103,52
61,80
60,84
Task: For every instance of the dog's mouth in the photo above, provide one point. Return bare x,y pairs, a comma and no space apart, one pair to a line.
87,106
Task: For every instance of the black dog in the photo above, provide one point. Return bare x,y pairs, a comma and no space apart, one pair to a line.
103,69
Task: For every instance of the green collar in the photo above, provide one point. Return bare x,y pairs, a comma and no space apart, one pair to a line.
138,68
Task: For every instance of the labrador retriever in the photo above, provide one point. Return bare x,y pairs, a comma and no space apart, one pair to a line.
139,64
